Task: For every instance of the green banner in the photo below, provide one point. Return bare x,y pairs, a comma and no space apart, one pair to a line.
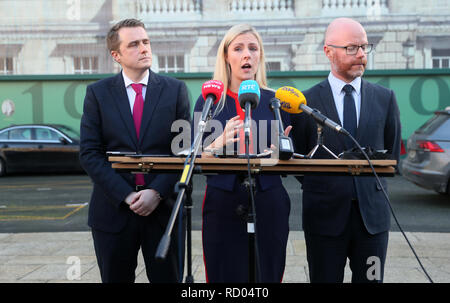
59,99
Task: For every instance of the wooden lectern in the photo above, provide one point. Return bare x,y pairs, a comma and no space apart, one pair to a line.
147,164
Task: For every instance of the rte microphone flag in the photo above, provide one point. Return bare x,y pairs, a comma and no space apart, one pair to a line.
248,97
249,93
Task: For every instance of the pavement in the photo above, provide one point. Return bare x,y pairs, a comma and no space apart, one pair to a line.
69,257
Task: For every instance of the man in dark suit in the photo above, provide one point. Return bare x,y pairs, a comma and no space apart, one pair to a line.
347,216
131,112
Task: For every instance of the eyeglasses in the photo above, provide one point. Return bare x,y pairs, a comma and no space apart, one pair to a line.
353,49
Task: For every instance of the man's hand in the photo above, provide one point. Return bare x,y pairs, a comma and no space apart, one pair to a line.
145,202
131,198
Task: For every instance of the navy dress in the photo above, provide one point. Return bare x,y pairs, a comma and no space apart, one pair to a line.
224,230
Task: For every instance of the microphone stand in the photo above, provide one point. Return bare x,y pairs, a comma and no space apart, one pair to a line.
320,144
184,187
390,206
188,205
253,251
285,146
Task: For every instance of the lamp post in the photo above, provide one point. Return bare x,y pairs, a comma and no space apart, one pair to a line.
408,51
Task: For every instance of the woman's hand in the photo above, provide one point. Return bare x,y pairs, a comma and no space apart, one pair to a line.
228,136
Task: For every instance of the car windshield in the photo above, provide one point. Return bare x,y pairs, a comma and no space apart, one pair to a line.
70,132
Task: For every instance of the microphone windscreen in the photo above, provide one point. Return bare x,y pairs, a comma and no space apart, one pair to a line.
290,99
212,87
249,92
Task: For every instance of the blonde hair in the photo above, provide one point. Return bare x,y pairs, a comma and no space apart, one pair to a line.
222,71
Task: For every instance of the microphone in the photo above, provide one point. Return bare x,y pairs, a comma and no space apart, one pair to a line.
211,92
248,97
285,147
294,102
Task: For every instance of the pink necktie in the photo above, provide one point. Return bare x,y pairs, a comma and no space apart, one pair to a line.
138,108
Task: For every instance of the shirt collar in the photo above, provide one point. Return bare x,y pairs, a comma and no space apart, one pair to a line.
128,81
232,94
337,84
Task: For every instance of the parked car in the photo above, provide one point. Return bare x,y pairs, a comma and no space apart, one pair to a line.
39,147
428,154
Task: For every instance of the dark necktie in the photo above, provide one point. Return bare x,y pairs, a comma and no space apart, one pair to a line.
349,112
138,108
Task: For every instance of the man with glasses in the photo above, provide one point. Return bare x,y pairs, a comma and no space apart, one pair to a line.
347,216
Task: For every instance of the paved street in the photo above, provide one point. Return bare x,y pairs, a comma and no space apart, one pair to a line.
51,257
30,203
43,232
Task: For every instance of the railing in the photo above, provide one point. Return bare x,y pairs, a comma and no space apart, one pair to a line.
370,8
183,10
261,6
161,9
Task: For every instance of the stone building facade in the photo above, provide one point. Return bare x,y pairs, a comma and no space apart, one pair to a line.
68,36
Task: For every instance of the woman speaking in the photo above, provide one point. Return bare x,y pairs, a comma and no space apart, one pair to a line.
240,57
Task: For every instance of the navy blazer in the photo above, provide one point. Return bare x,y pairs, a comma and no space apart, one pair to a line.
107,125
327,199
261,113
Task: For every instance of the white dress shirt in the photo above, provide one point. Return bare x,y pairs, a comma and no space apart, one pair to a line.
338,95
130,91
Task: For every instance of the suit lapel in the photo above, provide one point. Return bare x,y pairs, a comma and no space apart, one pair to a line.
364,115
151,101
329,106
120,98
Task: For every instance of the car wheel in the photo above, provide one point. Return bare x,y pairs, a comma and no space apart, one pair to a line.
2,167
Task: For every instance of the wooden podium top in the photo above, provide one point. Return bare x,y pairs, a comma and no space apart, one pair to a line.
146,164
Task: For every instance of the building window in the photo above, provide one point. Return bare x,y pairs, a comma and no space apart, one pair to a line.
6,65
171,64
85,65
273,66
441,58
